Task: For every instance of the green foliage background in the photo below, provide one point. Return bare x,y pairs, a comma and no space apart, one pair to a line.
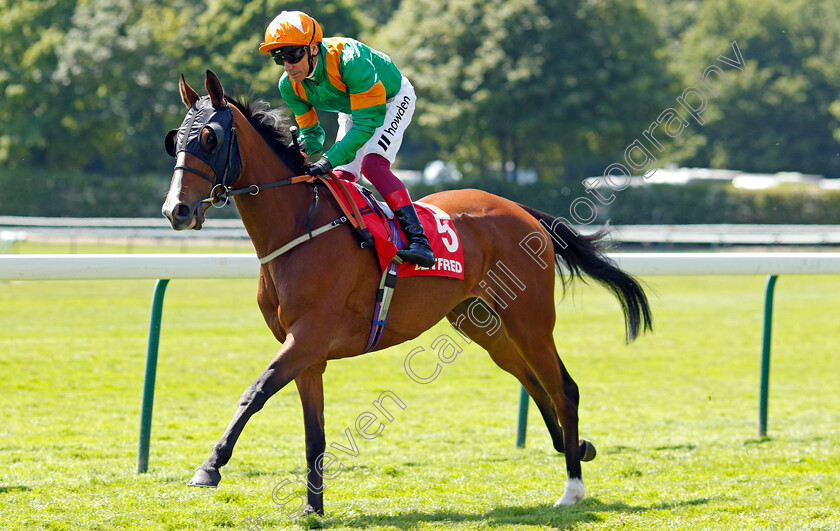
89,87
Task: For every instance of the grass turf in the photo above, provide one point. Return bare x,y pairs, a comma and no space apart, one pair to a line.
673,416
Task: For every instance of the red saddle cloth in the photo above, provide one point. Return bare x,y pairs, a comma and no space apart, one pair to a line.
388,237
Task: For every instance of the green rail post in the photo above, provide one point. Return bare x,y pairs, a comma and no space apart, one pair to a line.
764,385
149,379
522,423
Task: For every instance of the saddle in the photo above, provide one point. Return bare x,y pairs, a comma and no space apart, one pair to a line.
376,227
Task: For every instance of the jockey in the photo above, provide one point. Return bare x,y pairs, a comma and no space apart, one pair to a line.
374,103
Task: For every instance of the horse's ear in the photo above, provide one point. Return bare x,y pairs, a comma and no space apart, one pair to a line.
214,89
188,95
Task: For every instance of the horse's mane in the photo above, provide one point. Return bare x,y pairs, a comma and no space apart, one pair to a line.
273,125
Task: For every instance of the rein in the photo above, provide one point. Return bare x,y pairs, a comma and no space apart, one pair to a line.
225,160
220,197
222,194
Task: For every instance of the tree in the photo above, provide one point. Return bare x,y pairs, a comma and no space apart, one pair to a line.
238,30
531,82
82,81
30,33
92,84
376,13
780,117
117,68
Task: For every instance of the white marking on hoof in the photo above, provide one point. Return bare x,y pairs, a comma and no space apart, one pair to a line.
573,493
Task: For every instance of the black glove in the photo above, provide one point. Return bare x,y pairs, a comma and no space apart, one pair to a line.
322,167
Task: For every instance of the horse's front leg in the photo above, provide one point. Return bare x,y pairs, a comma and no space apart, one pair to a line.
294,356
310,386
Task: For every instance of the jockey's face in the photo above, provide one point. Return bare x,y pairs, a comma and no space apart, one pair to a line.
298,71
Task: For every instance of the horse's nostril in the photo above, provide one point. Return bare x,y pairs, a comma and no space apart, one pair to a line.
182,211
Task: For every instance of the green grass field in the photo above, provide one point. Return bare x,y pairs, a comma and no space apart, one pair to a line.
674,416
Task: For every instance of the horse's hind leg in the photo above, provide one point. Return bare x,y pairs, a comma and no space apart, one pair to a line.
507,355
540,354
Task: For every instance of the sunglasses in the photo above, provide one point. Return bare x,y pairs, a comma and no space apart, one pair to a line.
288,54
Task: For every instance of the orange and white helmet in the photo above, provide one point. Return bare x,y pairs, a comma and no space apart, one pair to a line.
291,28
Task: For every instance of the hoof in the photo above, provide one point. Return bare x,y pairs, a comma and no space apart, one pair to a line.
573,493
205,478
587,450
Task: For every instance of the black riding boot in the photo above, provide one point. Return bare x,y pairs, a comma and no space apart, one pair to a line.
419,251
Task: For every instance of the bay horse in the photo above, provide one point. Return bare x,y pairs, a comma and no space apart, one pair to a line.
318,298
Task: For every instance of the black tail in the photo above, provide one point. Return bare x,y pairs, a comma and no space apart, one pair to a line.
584,254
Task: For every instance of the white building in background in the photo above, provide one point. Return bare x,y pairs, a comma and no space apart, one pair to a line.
672,174
438,171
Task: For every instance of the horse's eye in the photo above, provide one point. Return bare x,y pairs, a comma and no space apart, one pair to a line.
208,139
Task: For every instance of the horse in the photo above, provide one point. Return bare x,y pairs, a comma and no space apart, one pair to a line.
318,298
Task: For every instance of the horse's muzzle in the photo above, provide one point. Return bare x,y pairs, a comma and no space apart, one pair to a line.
182,216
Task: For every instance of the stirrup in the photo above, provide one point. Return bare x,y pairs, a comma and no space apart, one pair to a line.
422,256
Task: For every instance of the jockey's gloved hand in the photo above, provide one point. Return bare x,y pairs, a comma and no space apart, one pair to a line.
322,167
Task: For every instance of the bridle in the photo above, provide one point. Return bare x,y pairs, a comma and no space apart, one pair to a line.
225,158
